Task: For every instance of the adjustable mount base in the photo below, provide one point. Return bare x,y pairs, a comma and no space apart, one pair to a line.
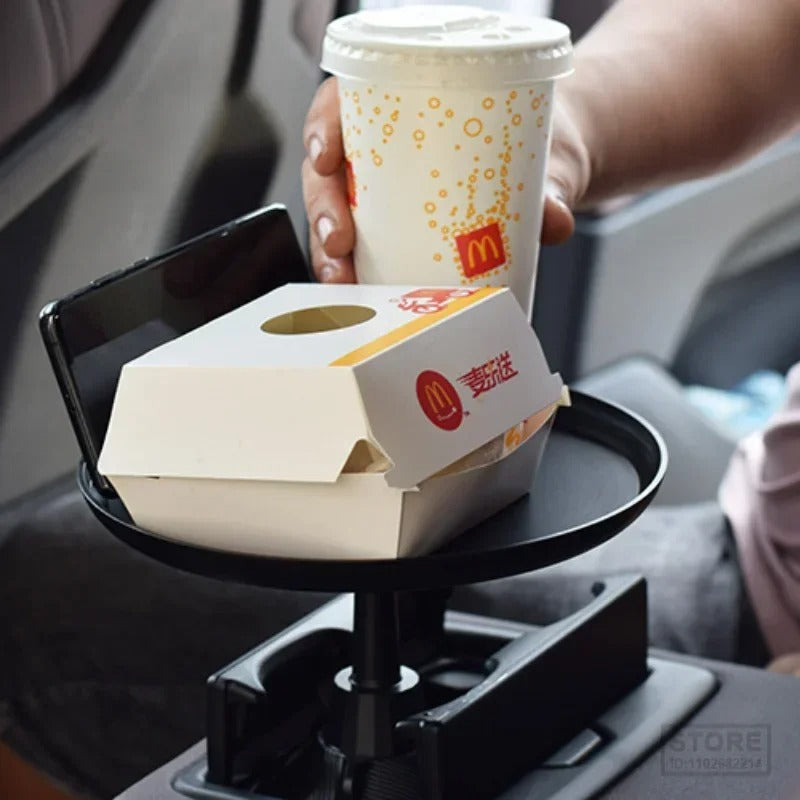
479,708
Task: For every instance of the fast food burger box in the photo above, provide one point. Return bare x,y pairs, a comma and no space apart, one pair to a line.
322,421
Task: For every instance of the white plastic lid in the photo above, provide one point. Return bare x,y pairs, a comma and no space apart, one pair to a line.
446,45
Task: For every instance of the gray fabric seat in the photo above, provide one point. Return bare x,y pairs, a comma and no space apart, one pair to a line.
105,651
43,46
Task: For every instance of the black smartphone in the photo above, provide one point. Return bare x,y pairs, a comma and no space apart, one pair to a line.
90,334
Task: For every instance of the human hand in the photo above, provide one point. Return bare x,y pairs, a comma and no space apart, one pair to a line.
325,187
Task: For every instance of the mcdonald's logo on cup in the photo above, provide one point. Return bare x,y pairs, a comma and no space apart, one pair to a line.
439,400
481,250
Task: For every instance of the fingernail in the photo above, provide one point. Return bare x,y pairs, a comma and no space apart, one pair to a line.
314,147
554,192
328,273
325,228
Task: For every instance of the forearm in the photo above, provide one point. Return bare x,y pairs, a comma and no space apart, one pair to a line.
666,91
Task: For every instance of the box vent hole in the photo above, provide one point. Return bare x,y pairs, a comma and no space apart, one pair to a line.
318,319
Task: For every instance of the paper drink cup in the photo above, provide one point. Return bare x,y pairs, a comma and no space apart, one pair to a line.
446,116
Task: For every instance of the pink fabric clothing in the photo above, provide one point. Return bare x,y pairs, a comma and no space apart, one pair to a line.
760,495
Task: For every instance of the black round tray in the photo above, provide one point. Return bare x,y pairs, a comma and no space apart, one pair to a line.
600,470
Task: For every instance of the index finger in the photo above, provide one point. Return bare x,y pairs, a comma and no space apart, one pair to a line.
322,132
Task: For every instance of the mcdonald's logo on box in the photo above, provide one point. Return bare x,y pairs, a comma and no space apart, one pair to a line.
481,250
439,400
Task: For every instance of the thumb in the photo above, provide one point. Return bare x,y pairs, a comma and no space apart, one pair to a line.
558,224
568,174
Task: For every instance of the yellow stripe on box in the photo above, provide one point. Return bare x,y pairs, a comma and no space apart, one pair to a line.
409,329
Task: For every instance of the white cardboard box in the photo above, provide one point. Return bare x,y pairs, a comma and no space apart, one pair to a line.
334,422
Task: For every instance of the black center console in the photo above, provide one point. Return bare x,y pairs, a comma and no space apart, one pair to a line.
480,708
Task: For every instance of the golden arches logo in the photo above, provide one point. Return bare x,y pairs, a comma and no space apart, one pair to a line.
481,250
437,397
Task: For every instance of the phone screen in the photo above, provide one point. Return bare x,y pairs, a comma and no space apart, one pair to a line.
122,316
